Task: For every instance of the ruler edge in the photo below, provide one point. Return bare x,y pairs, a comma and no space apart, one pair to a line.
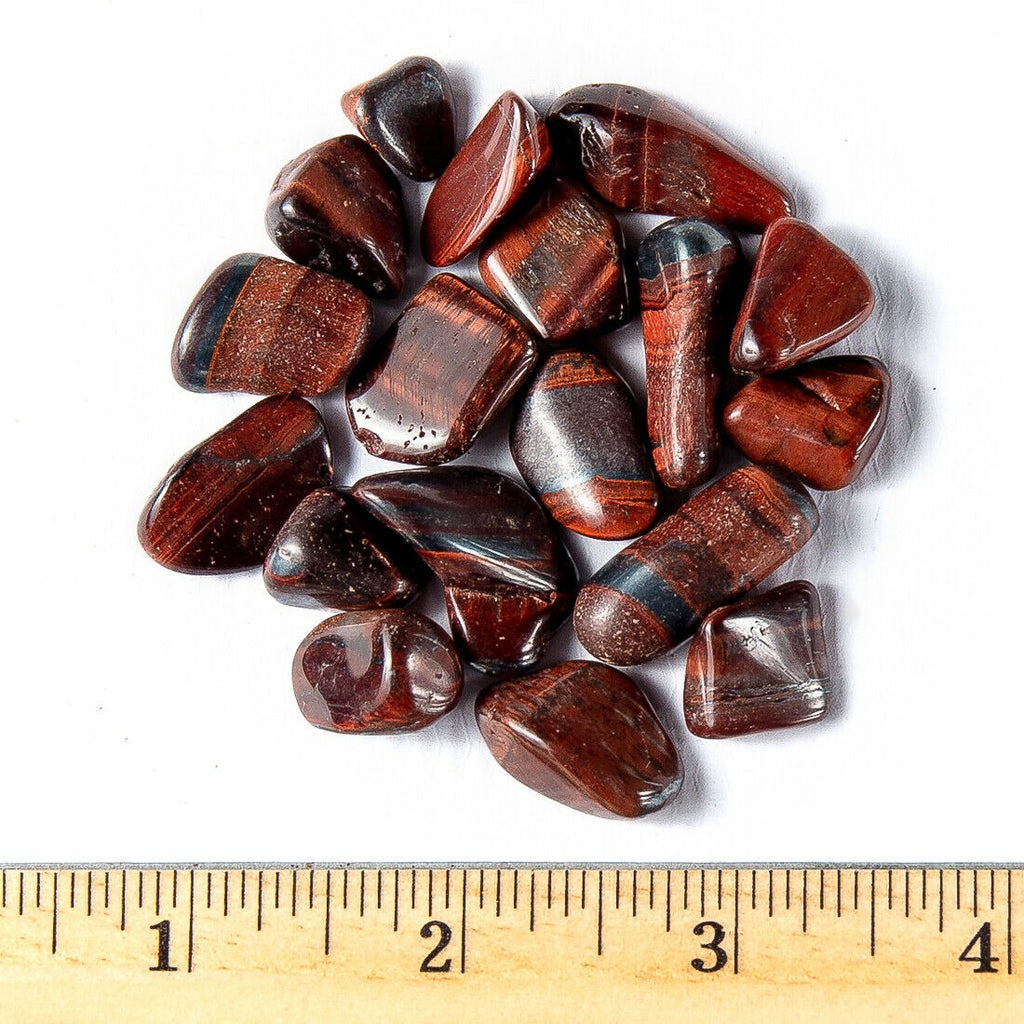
436,865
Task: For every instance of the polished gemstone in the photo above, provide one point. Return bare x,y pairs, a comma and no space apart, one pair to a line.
487,177
804,294
266,326
332,554
643,153
220,506
561,267
689,272
821,421
759,664
338,208
577,442
508,580
721,543
382,671
446,367
582,734
408,115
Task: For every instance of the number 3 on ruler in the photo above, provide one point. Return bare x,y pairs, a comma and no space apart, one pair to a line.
715,946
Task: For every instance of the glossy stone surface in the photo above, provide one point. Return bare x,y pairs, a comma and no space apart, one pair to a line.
267,327
331,554
508,580
577,442
561,267
220,506
643,153
804,294
487,177
690,272
582,734
338,208
408,115
821,421
759,664
382,671
718,545
446,367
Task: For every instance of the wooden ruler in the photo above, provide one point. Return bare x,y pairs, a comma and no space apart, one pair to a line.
218,943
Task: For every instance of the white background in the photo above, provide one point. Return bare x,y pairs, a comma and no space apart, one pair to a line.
148,715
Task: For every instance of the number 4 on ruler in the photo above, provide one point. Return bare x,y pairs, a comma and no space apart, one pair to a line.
983,940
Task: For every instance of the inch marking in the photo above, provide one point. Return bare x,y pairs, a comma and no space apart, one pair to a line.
583,889
686,890
327,915
174,889
533,879
497,893
975,874
482,887
295,887
53,936
771,892
157,897
72,904
344,890
839,893
668,901
941,894
259,901
650,891
447,886
192,915
515,889
209,888
1009,922
21,893
753,889
124,896
600,912
462,956
856,888
719,888
787,888
873,909
242,895
617,873
566,894
412,893
634,894
362,893
277,889
225,894
88,894
106,890
736,923
957,888
804,924
395,921
906,894
140,889
430,893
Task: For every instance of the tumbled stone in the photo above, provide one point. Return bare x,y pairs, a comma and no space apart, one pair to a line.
804,294
821,421
338,208
446,367
643,153
759,664
718,545
582,734
331,554
383,671
561,267
508,581
265,326
220,506
689,273
577,443
487,177
408,115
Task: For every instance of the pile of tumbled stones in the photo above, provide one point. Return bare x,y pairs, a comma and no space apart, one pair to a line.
535,197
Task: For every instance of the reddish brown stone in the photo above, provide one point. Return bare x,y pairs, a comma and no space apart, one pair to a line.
381,671
446,367
560,268
821,421
338,208
804,294
488,176
582,734
267,327
759,664
688,271
721,543
642,153
220,506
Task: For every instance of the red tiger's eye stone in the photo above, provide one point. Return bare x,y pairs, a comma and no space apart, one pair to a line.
487,177
804,294
759,664
821,421
583,734
220,506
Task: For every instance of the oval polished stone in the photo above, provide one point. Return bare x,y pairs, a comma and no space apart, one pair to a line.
722,542
804,294
446,367
509,582
561,267
820,421
689,273
267,327
220,506
338,208
577,442
383,671
331,554
758,664
408,115
582,734
487,177
643,153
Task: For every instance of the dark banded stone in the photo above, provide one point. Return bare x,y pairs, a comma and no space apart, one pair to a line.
577,442
721,543
265,326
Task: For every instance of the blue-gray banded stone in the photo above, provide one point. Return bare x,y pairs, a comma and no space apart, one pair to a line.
577,442
722,542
